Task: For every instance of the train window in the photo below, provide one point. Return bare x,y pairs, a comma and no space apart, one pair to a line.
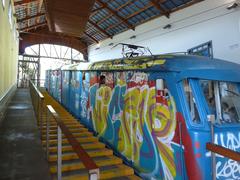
223,100
191,102
208,91
120,78
106,78
83,76
102,80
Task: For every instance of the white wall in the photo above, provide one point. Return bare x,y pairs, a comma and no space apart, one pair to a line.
202,22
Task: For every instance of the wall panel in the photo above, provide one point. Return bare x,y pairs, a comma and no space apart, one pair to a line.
8,50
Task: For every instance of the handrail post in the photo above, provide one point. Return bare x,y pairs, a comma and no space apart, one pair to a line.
211,119
47,133
59,153
93,174
37,108
182,148
41,115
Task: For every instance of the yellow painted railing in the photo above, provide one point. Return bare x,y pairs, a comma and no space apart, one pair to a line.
42,110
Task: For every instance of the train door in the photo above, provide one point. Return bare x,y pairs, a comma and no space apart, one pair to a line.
65,88
198,129
50,81
103,97
46,83
223,101
59,80
84,105
92,115
72,92
220,99
154,136
56,87
77,75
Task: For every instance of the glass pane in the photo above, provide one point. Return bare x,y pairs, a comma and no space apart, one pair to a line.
208,90
191,102
229,104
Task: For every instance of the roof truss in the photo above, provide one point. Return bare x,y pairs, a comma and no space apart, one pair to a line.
108,17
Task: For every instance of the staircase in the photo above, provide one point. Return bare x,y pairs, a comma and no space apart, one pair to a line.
110,166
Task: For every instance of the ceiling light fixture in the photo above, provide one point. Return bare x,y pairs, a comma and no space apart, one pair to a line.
168,26
233,6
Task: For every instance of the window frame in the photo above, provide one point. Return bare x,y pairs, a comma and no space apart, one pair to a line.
217,99
200,104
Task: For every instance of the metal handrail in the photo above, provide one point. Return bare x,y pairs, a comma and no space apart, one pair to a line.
93,169
38,101
38,104
36,89
223,151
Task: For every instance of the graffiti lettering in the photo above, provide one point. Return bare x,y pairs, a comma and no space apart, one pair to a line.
139,125
227,168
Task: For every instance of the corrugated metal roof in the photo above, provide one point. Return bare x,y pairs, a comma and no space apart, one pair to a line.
108,17
116,16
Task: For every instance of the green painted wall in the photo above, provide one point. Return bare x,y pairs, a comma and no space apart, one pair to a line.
8,49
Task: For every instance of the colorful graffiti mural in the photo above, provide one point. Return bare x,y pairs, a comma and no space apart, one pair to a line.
122,102
137,121
84,96
227,168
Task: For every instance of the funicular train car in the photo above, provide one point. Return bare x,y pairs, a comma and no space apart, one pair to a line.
154,111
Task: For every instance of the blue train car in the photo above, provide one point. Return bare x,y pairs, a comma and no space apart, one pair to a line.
155,111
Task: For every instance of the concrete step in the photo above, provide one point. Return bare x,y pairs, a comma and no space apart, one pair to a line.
110,160
106,172
54,131
76,134
74,126
73,155
86,139
68,148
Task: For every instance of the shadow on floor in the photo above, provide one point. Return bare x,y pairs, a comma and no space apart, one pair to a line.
21,153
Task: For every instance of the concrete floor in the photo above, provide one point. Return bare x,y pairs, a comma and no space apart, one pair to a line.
21,153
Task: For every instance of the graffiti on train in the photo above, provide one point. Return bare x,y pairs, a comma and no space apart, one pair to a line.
120,64
227,168
137,121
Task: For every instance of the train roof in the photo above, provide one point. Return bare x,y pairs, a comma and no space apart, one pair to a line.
185,65
167,62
